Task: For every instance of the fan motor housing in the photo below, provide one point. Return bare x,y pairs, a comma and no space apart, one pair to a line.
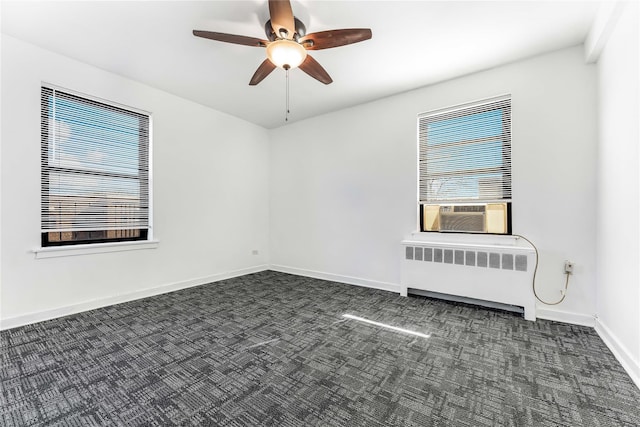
301,30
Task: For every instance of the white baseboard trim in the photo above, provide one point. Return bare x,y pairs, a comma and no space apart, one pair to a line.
619,351
566,317
27,319
358,281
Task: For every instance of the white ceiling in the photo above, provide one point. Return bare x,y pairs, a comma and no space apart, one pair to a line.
415,43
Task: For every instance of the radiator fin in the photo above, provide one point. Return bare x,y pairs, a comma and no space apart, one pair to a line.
494,260
482,259
470,258
409,252
507,261
521,262
448,256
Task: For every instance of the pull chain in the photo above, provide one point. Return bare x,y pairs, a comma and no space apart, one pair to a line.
286,116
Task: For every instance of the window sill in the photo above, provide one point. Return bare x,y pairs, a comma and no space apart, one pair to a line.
468,239
96,248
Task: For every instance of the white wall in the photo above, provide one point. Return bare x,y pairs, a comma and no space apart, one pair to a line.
344,185
618,237
210,194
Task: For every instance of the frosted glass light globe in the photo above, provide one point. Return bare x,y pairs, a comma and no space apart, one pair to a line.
286,53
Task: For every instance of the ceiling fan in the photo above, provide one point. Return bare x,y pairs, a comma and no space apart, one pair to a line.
287,43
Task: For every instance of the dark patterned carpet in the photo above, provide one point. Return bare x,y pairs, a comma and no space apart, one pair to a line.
274,349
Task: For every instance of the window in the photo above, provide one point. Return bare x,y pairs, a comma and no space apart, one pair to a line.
94,171
465,168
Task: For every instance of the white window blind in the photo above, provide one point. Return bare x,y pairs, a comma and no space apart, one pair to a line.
465,153
95,169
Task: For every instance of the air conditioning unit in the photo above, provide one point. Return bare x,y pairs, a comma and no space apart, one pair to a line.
466,218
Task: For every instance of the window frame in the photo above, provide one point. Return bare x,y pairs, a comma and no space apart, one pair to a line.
144,176
455,112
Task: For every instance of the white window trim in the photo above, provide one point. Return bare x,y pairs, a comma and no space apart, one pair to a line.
93,248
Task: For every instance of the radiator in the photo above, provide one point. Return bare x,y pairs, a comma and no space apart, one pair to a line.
486,268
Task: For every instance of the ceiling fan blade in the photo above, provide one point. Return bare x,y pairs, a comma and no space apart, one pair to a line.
282,18
315,70
231,38
263,71
334,38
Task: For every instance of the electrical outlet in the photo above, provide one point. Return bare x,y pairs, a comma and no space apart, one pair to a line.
568,267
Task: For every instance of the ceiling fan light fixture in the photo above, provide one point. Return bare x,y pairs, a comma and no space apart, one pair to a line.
286,54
